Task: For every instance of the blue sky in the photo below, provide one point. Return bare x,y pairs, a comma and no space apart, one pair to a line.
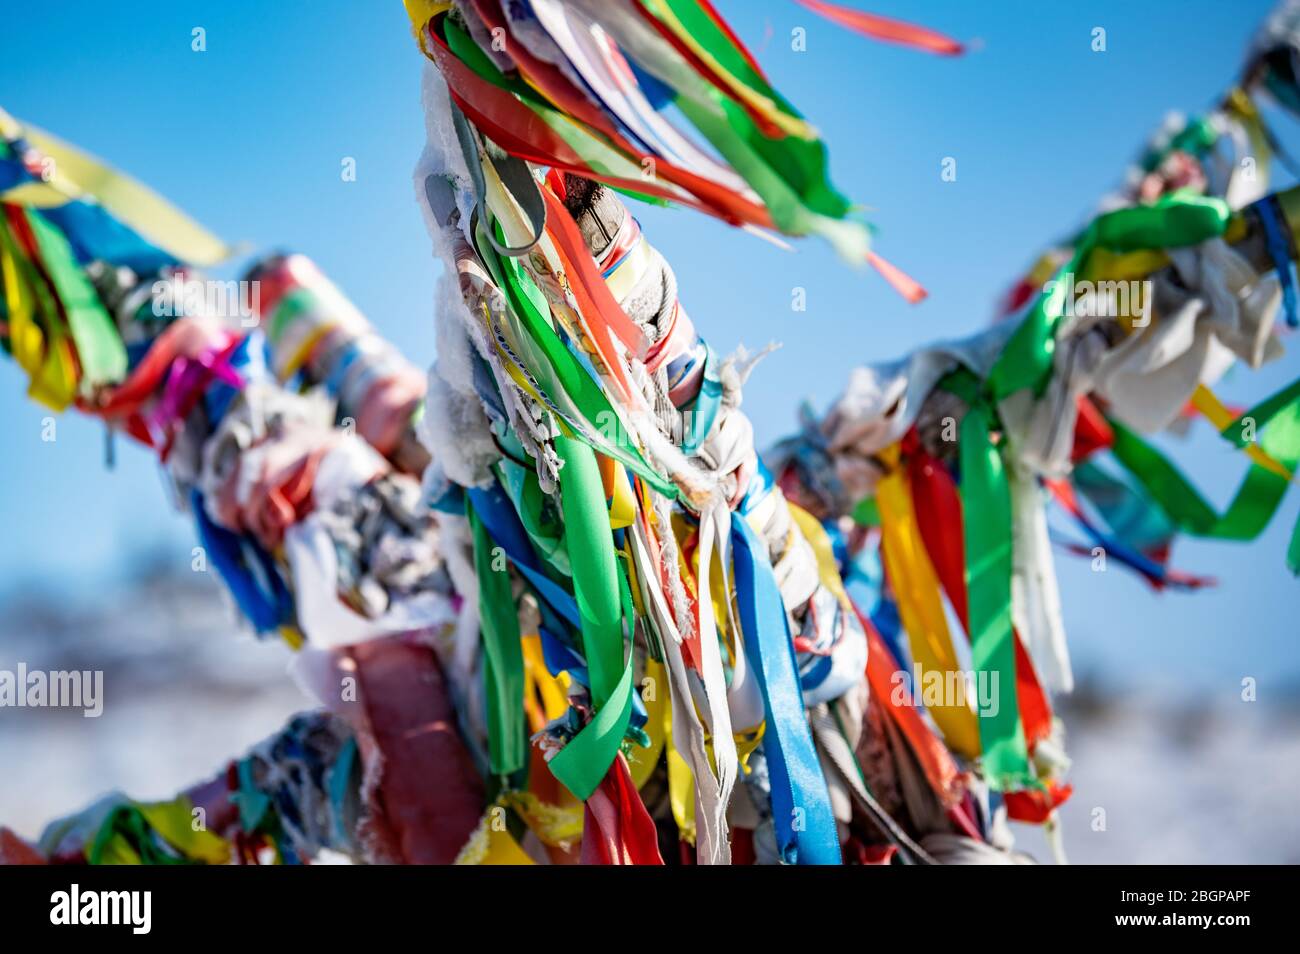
249,138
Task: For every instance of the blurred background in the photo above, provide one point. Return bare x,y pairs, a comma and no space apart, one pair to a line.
250,135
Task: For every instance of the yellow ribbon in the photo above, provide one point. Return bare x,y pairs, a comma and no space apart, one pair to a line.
681,785
49,371
916,589
1205,401
491,843
556,825
828,570
421,12
77,175
790,125
174,821
540,685
654,693
622,505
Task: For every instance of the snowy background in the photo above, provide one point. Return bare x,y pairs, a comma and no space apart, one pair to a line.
1181,779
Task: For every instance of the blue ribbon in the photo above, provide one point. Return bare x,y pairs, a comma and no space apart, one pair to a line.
248,360
502,524
1279,247
801,804
90,230
94,234
707,404
229,554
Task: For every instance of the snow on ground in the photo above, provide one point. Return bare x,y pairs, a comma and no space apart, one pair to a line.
1178,781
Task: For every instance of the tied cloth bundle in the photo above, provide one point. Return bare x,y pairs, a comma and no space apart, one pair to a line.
62,211
943,460
319,537
631,585
952,451
1228,152
319,339
744,622
279,454
294,799
653,615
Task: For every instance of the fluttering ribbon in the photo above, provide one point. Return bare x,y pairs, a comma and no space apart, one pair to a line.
1095,485
100,352
590,94
885,29
75,176
1275,423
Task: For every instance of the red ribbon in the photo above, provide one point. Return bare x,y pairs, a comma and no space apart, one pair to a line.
1092,432
913,292
886,29
1034,806
939,519
935,759
522,133
619,830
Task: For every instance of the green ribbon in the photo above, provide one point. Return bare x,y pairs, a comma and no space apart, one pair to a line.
503,656
254,805
538,513
799,165
987,528
1276,423
574,396
100,350
1026,362
1175,221
603,602
866,513
789,174
790,213
1198,137
126,837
